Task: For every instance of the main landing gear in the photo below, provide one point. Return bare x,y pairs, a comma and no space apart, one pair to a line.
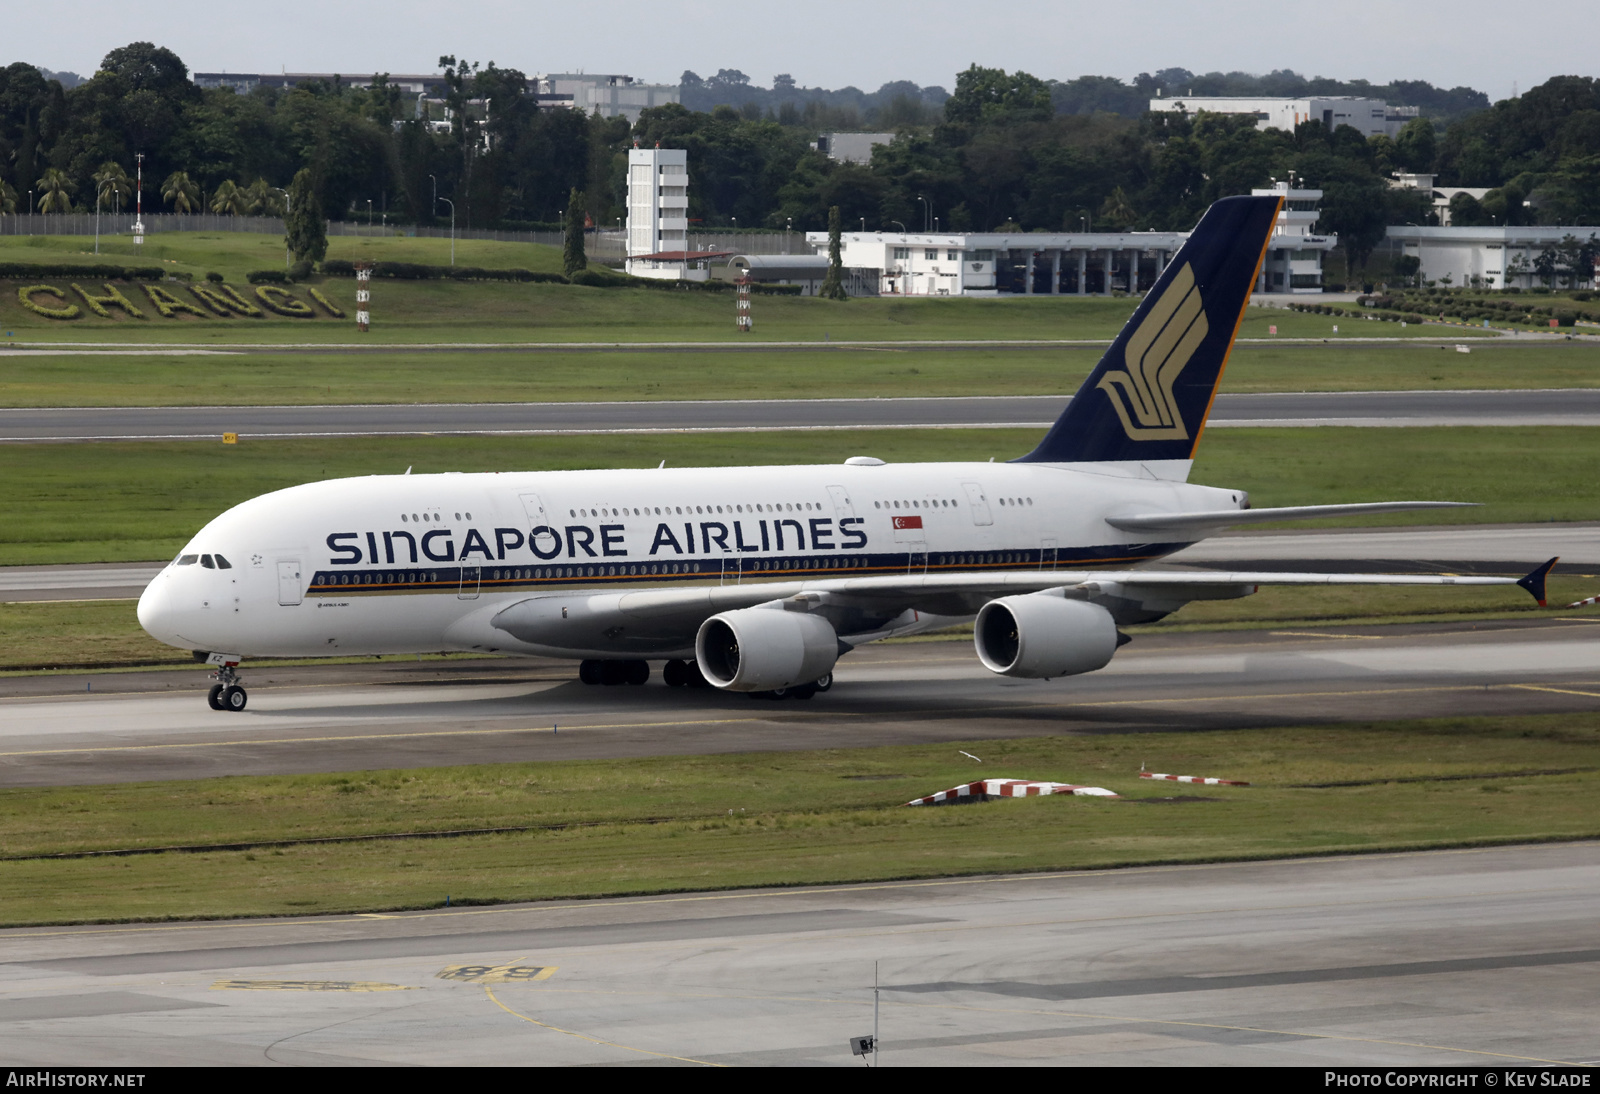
611,673
683,674
798,691
227,694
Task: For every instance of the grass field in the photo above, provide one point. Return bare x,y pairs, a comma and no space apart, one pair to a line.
709,822
294,377
447,311
132,501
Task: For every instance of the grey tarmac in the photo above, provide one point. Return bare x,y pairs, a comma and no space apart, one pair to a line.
1466,959
1576,406
390,714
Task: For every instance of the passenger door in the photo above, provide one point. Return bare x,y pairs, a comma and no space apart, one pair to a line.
978,503
550,542
290,590
470,576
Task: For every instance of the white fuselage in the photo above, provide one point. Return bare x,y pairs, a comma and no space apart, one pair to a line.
421,563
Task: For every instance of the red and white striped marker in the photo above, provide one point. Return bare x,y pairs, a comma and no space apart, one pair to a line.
1582,603
1191,779
985,789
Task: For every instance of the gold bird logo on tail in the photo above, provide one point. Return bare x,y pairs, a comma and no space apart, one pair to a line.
1157,352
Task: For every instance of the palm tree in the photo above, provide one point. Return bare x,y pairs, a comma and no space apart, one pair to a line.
229,199
56,191
264,200
180,192
112,184
8,198
1118,210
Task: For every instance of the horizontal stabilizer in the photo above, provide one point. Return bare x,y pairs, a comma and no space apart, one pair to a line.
1160,524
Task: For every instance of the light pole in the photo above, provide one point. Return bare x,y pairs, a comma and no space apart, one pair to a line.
97,222
927,212
433,210
369,214
138,198
452,205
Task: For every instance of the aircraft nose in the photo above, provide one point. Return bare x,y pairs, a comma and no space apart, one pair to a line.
157,612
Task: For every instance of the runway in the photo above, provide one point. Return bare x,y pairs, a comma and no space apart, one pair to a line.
1465,959
1579,406
394,714
1512,549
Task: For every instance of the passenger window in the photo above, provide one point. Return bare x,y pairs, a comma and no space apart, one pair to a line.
223,564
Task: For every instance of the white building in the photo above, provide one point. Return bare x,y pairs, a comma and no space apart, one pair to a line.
658,213
851,147
991,263
1369,117
1441,194
1293,262
1490,258
608,96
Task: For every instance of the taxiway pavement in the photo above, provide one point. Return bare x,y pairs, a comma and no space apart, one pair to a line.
1577,406
1474,958
394,714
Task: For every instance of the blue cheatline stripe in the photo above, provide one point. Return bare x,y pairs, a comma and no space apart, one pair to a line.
500,577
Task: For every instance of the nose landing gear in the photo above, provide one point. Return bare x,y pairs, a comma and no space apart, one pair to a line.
226,693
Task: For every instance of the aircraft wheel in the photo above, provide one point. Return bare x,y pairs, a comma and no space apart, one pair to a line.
803,691
635,672
589,672
675,674
234,698
823,683
214,697
695,678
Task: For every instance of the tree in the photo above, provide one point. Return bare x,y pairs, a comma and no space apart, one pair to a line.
988,94
263,200
833,284
228,199
1117,211
573,260
55,191
112,184
180,192
303,228
8,198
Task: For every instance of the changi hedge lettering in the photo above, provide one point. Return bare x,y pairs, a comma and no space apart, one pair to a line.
214,299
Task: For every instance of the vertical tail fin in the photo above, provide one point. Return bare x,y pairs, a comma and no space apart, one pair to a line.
1149,397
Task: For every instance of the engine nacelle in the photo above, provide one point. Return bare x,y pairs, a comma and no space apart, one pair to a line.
1042,637
761,649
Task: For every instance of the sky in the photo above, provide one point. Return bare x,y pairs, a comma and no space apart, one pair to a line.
832,43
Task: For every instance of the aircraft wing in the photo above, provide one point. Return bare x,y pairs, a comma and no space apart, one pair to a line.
1177,525
668,618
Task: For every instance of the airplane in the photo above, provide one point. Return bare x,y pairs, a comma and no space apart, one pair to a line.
757,579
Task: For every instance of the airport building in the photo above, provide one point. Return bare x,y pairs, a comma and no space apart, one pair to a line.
1369,117
851,147
1489,258
993,263
657,235
1293,262
607,96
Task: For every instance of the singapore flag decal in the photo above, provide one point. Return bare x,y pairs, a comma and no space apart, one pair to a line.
902,523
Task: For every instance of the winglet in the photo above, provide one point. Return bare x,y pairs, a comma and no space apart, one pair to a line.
1534,582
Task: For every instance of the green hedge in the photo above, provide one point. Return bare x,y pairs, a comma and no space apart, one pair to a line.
102,271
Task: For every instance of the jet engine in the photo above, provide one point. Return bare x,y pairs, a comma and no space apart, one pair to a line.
762,649
1043,636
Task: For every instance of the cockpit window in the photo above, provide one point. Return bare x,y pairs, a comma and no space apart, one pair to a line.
188,560
222,563
205,560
